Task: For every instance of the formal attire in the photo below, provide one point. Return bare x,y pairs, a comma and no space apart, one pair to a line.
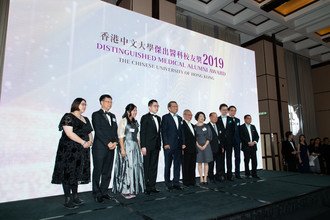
72,163
151,140
105,126
189,154
290,159
318,161
171,129
226,136
203,134
218,155
248,133
304,165
237,146
326,153
128,171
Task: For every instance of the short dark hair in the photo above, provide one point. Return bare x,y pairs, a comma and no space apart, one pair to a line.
245,116
212,114
198,114
170,103
223,105
152,102
288,133
75,104
230,107
102,97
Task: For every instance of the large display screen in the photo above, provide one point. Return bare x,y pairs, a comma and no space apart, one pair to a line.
59,50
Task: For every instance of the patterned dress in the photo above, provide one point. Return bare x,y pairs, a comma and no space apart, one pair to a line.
128,171
72,163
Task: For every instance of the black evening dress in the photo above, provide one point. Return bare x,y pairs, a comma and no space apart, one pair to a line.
72,163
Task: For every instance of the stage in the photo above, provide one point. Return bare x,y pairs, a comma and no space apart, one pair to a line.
281,195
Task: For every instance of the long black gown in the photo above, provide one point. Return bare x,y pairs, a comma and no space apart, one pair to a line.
304,166
72,163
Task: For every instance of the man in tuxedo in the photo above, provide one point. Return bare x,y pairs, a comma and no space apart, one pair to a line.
189,150
237,141
226,130
150,144
289,152
249,138
105,142
217,150
172,143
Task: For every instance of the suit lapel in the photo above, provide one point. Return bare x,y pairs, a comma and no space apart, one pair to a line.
152,118
106,118
187,127
173,122
213,131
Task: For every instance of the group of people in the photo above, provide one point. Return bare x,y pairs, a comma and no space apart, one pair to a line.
306,158
137,147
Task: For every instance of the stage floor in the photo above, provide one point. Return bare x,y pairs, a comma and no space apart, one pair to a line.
276,194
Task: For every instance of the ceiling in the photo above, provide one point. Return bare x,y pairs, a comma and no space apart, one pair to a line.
293,23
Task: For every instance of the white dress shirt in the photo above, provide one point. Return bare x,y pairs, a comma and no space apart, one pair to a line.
175,117
249,131
190,127
224,120
215,128
155,120
108,117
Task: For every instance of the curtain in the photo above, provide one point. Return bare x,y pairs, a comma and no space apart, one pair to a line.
4,9
301,98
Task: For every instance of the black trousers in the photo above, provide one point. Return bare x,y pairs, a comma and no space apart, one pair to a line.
229,155
150,165
237,152
189,168
250,154
175,156
218,162
291,164
103,162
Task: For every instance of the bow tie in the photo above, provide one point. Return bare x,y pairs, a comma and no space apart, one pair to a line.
175,115
107,113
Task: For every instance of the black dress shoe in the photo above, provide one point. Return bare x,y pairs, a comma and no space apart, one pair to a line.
78,201
230,178
170,188
221,179
99,199
178,187
68,203
238,177
255,177
154,191
107,196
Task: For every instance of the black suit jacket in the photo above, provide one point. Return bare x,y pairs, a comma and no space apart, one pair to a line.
215,142
237,137
188,138
170,133
104,133
226,135
149,136
245,137
287,151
